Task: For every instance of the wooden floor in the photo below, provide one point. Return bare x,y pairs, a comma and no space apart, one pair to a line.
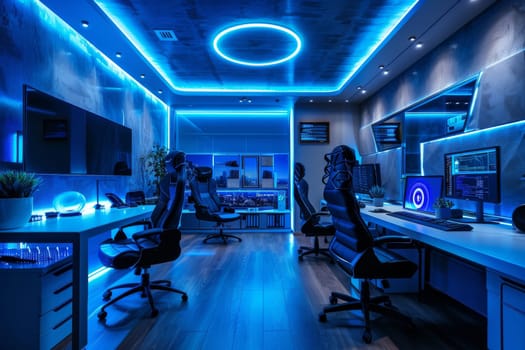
257,295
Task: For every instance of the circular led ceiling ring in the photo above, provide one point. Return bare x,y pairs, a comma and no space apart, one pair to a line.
265,26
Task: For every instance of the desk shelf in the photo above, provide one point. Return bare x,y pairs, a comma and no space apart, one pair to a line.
250,221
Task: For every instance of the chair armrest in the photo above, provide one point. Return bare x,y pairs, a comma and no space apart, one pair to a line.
121,235
203,212
320,214
146,223
227,209
146,233
392,239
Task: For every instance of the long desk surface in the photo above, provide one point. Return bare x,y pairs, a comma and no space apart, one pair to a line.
90,223
494,246
77,230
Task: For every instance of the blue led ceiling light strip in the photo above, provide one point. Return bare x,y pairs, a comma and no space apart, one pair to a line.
233,114
134,37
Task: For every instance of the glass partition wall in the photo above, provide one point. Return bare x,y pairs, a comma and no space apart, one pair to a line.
249,153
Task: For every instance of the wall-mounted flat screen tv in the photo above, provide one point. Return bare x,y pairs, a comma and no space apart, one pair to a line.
314,132
60,138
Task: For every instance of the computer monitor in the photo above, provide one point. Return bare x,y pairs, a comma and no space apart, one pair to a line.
421,192
474,175
365,176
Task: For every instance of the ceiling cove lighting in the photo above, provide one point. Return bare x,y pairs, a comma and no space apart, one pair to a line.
208,113
55,23
385,34
222,37
382,28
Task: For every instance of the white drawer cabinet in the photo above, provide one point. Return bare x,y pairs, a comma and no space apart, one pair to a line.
36,304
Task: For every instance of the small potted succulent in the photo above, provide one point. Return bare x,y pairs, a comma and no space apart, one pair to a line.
443,207
16,197
378,194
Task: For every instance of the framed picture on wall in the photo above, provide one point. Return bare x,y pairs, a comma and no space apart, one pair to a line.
314,132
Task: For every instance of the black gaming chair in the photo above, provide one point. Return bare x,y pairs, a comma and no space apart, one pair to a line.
354,247
311,219
208,206
158,243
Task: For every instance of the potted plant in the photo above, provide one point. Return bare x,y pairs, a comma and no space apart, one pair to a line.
443,207
16,197
155,167
378,194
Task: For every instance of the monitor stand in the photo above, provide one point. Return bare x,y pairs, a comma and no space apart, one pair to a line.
480,216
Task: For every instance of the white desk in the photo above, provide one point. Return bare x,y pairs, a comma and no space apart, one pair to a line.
497,247
494,246
77,230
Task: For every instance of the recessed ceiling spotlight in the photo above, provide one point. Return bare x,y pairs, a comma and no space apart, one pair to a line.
382,66
142,76
160,92
359,88
412,38
311,100
363,91
118,54
330,101
419,45
347,100
385,72
84,23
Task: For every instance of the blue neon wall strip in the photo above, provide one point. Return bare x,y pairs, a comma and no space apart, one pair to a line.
292,166
467,135
56,22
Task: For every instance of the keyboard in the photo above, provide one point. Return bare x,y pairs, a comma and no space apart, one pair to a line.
440,224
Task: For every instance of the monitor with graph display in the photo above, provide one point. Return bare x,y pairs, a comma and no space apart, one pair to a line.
473,175
421,192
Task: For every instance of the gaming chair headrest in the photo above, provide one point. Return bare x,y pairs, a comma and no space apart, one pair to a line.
203,173
338,169
174,160
299,171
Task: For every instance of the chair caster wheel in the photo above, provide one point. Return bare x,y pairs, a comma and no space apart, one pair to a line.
107,295
367,337
154,313
300,257
184,297
102,315
322,317
332,299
